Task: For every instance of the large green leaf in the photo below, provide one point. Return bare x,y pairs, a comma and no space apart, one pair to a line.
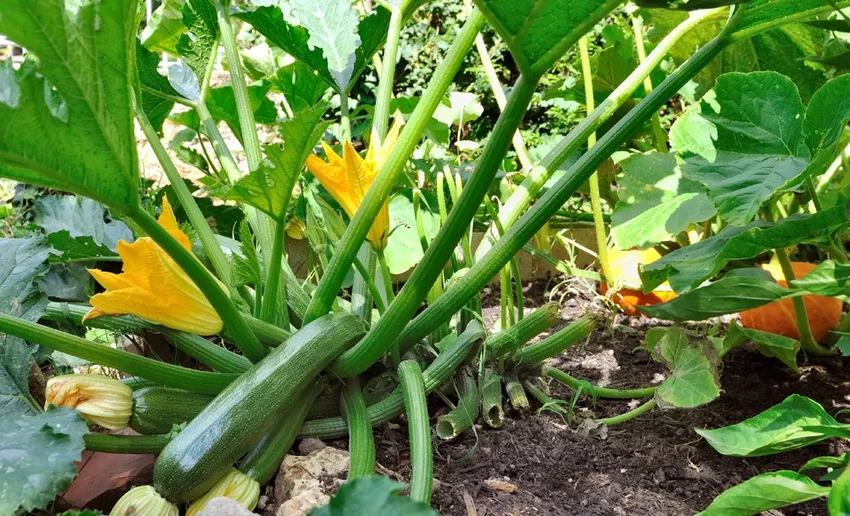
764,492
777,429
759,144
79,138
839,496
739,290
300,43
76,226
539,32
375,495
826,118
269,188
22,263
198,44
693,370
299,84
656,202
403,248
829,278
688,267
37,457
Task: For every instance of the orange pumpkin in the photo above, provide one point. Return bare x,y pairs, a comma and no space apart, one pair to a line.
778,317
624,274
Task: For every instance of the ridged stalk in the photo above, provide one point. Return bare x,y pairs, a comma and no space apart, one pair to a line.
380,120
491,400
516,336
418,429
516,393
464,414
160,372
389,175
216,357
552,201
263,462
599,392
555,344
361,441
439,371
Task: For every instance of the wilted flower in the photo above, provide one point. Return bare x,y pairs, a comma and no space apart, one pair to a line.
143,501
235,485
100,399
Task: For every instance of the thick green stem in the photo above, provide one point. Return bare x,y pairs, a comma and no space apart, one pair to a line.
459,352
516,336
380,120
220,301
389,175
361,442
225,157
418,429
216,357
491,399
555,344
807,340
250,140
464,414
599,392
384,334
521,198
516,393
552,201
628,416
184,196
595,200
275,290
160,372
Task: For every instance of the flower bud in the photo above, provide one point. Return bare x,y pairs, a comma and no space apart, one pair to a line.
235,485
100,399
143,501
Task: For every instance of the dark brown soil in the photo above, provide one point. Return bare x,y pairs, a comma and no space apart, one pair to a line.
654,465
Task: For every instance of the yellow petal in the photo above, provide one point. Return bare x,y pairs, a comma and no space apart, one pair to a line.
380,230
168,221
109,280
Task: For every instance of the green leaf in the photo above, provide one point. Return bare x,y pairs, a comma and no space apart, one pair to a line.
269,188
403,249
528,27
300,43
739,290
838,503
764,492
165,27
843,345
827,116
374,495
76,227
827,461
302,87
777,429
91,149
15,360
759,146
829,278
247,269
155,107
688,267
771,345
693,373
198,44
656,202
37,457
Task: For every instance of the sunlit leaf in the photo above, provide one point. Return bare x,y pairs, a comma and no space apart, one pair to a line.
92,151
764,492
693,370
375,495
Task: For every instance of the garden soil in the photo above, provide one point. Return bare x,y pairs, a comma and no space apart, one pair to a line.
653,465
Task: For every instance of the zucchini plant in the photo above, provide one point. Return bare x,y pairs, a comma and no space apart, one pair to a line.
270,355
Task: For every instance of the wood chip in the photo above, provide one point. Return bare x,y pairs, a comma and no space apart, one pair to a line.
501,485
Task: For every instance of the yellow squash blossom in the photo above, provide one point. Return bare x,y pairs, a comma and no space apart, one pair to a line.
234,485
348,177
100,399
152,286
